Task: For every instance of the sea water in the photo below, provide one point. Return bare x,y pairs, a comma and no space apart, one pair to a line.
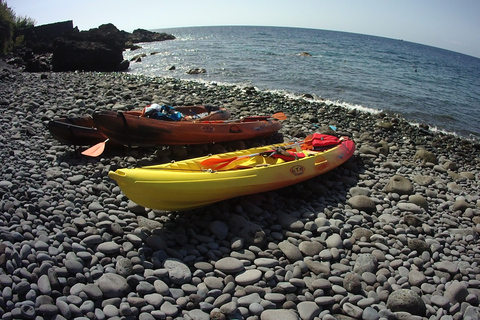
423,84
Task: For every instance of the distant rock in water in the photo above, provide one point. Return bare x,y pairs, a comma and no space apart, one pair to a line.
98,49
138,57
142,35
197,71
304,54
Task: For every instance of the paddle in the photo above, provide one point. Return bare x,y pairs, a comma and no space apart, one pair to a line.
96,150
227,161
279,116
214,161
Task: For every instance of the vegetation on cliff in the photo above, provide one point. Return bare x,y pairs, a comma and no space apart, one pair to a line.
10,23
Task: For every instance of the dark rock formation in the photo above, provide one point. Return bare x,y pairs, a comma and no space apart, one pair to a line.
99,49
40,39
304,54
142,35
71,55
61,47
196,71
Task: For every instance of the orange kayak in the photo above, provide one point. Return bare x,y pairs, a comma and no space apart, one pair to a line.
82,131
131,130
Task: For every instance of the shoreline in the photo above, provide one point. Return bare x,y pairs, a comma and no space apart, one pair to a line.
392,233
345,75
320,100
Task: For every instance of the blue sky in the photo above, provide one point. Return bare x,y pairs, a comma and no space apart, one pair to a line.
452,25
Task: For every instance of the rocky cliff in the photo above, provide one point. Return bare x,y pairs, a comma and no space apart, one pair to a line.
62,47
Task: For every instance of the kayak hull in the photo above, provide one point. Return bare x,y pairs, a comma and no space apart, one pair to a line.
78,131
187,184
82,131
131,130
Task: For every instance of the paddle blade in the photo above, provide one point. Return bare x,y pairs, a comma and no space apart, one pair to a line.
96,150
280,116
224,164
214,161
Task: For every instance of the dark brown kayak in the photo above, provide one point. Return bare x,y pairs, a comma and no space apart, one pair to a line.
78,131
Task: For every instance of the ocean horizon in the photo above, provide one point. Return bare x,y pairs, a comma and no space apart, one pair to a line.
423,84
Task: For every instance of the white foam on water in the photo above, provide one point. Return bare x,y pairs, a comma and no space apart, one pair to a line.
317,99
297,96
355,107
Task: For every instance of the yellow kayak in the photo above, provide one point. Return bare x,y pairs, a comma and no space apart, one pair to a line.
197,182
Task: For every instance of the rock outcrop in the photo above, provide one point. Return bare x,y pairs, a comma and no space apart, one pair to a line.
99,49
62,47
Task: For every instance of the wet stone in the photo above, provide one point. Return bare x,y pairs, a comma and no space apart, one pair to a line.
447,266
124,267
279,315
310,248
93,291
334,241
362,202
407,301
229,265
214,283
400,185
416,278
370,313
113,285
108,248
352,310
266,262
290,251
352,282
308,309
440,301
456,292
178,272
248,277
154,299
365,263
169,309
275,297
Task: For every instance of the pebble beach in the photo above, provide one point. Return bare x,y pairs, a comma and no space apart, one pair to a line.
391,234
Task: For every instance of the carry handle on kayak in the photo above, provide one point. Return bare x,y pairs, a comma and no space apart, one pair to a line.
322,165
